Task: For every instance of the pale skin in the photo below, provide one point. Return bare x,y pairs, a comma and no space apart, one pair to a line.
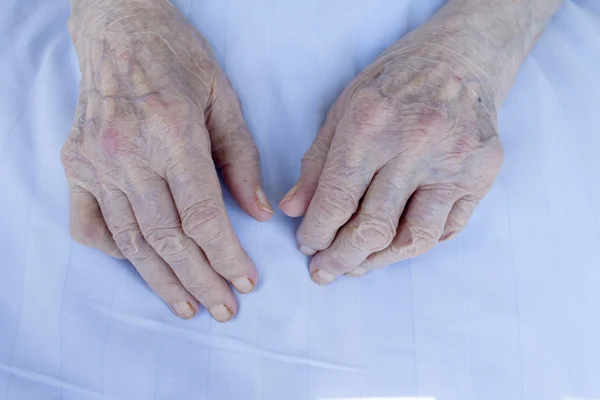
406,153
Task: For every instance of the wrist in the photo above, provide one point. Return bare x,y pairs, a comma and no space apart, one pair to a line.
492,37
80,6
88,16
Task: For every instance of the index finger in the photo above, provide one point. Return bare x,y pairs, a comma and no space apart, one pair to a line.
195,187
348,171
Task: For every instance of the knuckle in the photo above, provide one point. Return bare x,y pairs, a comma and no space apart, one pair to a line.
167,242
70,156
456,222
427,229
132,244
76,165
371,235
336,202
420,240
461,213
434,121
204,221
431,206
433,124
423,239
370,111
66,154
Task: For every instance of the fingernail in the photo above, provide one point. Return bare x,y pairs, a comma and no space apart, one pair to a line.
184,309
243,285
322,277
355,273
263,202
306,250
289,194
221,313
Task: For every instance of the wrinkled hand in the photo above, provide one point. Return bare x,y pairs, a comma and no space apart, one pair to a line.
155,115
404,157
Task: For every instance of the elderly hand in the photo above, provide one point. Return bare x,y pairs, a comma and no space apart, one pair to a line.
411,146
155,115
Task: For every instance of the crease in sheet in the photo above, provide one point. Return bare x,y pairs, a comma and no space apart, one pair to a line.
412,323
61,318
4,141
157,357
581,158
515,277
49,381
222,342
466,320
107,332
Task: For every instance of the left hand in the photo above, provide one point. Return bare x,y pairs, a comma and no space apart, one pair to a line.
404,157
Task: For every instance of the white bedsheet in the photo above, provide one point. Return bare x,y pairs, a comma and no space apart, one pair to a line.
510,310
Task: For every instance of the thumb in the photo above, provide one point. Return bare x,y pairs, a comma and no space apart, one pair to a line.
234,151
296,201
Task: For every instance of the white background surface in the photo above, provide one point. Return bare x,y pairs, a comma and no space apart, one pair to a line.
509,310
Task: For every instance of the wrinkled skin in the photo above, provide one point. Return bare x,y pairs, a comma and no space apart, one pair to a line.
156,117
404,157
411,146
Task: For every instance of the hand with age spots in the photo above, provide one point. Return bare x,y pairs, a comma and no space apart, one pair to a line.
411,146
155,116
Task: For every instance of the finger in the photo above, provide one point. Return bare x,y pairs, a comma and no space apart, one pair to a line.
370,230
153,269
347,173
420,229
87,224
459,216
297,199
195,188
159,222
235,153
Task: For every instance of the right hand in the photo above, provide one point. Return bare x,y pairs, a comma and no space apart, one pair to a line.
155,116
